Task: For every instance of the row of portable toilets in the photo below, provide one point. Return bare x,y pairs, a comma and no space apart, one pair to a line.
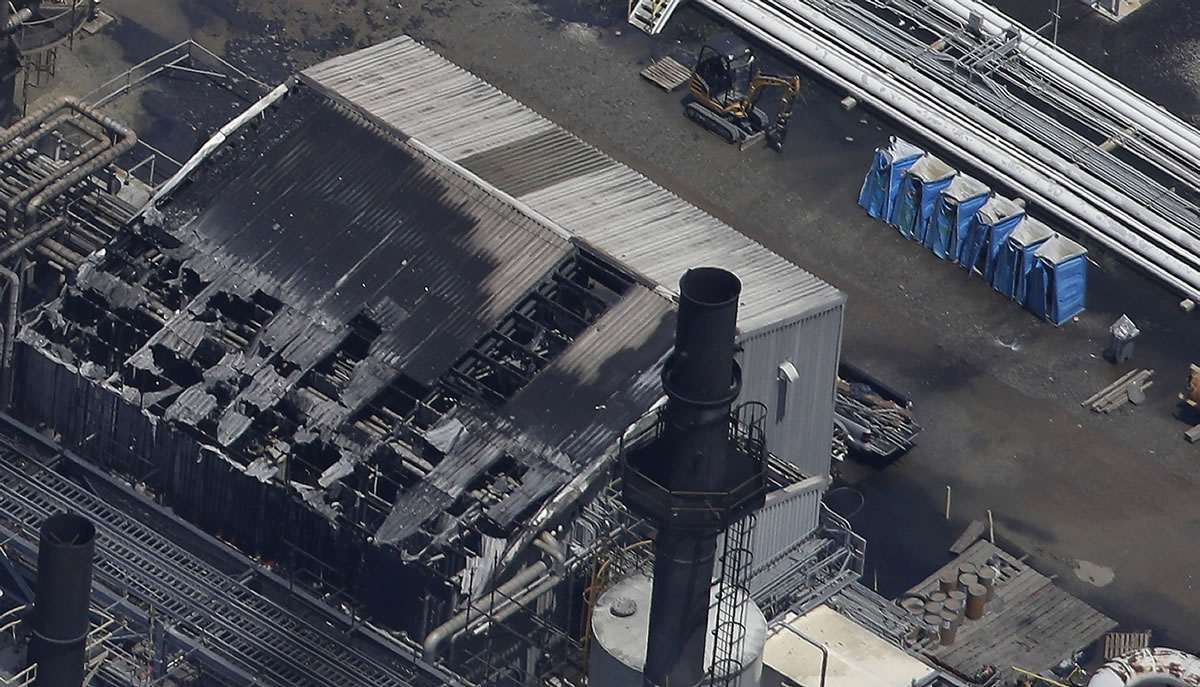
961,220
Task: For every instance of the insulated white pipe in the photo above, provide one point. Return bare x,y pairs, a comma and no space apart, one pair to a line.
1098,191
896,100
1091,82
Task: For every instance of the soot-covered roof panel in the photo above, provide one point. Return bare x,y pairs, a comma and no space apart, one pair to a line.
333,226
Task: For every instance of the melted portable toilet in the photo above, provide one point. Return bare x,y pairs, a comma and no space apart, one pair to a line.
919,190
882,185
1016,260
988,233
952,215
1058,280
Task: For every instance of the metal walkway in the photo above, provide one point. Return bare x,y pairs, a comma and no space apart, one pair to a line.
234,622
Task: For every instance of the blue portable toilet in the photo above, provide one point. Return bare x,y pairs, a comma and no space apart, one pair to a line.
1016,260
988,233
1058,280
952,214
919,190
880,188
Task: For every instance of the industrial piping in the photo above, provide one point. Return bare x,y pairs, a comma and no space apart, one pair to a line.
1149,668
954,133
11,203
72,173
1070,69
14,303
1097,191
86,168
60,611
513,588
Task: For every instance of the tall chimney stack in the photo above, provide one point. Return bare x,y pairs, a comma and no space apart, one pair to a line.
60,609
693,479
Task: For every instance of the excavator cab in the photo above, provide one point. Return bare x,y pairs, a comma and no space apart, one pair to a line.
725,66
725,88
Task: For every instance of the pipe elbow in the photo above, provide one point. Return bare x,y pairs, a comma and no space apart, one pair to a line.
432,645
550,546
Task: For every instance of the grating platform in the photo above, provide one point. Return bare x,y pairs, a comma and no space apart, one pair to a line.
667,73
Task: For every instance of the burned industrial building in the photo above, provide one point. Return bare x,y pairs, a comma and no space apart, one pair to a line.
356,358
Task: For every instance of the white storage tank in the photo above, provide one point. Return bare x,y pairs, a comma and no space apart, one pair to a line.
620,622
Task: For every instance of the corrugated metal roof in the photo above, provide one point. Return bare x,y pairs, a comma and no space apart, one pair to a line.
370,223
591,404
611,207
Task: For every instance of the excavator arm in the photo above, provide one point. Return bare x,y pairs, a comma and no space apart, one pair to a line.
775,131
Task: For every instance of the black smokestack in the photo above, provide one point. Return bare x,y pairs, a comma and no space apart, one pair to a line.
64,590
692,481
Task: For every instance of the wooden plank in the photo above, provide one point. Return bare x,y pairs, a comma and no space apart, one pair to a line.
1193,434
969,536
1095,398
667,73
1120,643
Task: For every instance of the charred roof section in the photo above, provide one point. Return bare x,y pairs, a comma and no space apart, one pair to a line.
350,319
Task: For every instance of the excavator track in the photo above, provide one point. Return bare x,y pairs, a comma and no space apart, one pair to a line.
714,123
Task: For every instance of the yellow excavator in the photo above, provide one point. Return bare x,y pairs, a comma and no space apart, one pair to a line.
726,86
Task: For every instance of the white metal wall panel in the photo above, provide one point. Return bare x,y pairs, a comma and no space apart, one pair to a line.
802,435
788,518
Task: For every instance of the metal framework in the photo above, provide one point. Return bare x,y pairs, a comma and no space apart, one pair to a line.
138,568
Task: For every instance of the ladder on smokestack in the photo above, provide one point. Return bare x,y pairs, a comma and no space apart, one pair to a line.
733,595
651,15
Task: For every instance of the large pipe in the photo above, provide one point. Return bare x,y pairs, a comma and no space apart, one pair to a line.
214,142
1100,192
1102,90
85,169
701,381
950,131
11,22
60,611
1148,668
11,203
431,647
14,304
31,121
10,334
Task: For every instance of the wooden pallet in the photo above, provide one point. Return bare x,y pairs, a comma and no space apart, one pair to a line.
667,73
1120,643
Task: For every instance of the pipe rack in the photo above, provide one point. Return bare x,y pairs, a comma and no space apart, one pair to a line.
962,105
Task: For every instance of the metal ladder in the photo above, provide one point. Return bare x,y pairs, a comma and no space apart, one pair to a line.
210,607
733,595
651,15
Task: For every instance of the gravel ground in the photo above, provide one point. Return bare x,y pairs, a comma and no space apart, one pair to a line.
997,390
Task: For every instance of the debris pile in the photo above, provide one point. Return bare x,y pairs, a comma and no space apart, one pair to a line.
1129,388
891,425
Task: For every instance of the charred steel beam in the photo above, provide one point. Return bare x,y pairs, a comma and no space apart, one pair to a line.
693,479
64,590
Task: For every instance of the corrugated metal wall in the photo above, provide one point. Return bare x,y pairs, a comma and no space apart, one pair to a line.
803,432
198,484
787,519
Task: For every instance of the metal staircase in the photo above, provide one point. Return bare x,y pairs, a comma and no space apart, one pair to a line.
651,15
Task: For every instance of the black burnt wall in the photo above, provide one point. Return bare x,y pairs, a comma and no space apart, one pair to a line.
199,484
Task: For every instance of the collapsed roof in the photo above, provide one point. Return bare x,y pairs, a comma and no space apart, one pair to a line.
328,309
